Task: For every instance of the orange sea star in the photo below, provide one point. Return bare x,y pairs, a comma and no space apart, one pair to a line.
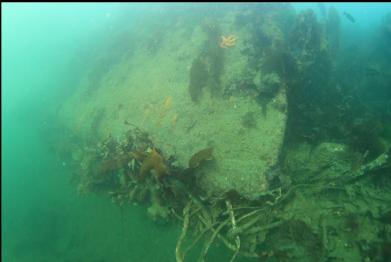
228,41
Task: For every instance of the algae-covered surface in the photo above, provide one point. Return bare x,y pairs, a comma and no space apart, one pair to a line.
151,90
210,132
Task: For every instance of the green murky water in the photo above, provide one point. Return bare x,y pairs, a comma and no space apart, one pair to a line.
75,74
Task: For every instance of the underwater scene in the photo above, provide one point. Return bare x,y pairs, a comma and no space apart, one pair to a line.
196,132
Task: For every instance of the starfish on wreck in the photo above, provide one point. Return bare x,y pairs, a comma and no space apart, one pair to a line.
228,41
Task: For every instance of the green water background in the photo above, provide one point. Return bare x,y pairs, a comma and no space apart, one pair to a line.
46,47
42,217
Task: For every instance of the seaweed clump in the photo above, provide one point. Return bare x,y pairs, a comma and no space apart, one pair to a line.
306,34
281,62
207,68
214,56
154,161
249,120
198,78
262,228
199,157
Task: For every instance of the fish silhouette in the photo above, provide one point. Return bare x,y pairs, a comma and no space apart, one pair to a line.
349,17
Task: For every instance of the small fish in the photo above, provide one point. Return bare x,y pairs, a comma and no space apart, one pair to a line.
372,72
349,17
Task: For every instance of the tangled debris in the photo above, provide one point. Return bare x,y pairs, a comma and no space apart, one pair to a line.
133,170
